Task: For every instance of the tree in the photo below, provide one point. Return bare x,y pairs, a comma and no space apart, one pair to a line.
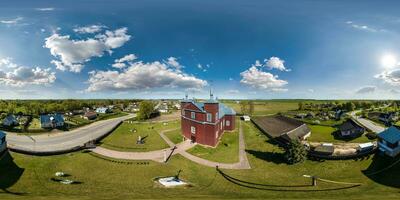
243,107
301,106
146,109
251,107
296,152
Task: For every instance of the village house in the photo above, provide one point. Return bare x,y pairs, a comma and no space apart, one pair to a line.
205,122
90,115
103,110
387,117
3,143
10,120
52,120
350,128
389,141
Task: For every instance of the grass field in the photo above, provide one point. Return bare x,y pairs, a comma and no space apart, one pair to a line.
267,107
175,136
125,139
225,152
28,177
324,134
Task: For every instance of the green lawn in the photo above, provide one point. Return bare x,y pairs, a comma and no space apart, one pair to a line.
175,136
267,107
35,124
227,150
28,177
324,134
124,139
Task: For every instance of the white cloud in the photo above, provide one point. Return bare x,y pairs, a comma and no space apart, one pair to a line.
115,39
391,77
127,58
310,90
13,75
141,75
89,29
363,27
173,62
72,54
394,91
45,9
11,21
122,62
256,78
275,63
366,89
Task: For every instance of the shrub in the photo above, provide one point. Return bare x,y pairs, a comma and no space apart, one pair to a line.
371,136
295,152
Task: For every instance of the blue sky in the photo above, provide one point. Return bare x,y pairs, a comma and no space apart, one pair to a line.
164,49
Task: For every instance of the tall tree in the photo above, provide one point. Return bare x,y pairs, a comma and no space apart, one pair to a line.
146,109
295,152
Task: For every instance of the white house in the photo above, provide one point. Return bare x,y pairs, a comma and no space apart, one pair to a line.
103,110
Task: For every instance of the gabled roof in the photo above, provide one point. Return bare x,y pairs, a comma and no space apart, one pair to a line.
222,108
47,118
391,135
349,125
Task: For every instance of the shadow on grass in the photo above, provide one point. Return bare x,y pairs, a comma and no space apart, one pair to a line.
272,187
10,173
276,158
384,170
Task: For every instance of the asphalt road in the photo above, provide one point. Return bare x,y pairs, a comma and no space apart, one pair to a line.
53,143
367,123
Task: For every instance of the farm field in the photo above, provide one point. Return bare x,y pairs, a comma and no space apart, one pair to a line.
28,177
267,107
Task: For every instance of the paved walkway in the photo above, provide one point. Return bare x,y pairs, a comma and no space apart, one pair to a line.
62,142
182,147
367,123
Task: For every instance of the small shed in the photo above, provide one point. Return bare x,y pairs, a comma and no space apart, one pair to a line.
246,118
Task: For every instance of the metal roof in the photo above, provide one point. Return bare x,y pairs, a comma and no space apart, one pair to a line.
391,135
2,134
48,118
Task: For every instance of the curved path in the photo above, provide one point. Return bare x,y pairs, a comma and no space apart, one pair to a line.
182,147
62,142
367,123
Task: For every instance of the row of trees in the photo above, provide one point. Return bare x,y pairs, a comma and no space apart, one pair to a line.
348,105
36,107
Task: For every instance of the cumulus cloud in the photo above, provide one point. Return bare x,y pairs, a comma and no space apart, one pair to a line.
259,79
275,63
45,9
391,77
366,89
89,29
173,62
12,21
72,54
140,75
122,62
12,74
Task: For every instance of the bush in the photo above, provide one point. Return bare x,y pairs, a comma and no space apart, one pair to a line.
296,152
371,136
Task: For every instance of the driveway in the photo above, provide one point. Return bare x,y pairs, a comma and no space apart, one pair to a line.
367,123
62,142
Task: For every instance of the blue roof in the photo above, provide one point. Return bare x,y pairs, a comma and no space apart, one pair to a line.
46,118
225,110
2,134
391,135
